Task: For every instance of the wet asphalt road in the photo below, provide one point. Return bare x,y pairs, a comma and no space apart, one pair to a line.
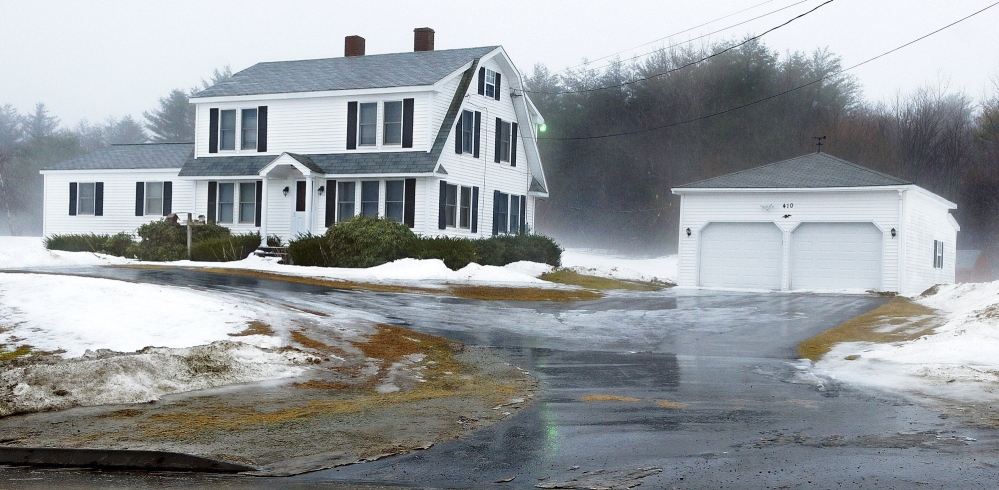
709,385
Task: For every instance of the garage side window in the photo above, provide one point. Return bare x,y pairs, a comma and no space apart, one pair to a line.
938,248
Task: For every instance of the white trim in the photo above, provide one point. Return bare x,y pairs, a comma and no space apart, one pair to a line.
286,159
111,170
775,190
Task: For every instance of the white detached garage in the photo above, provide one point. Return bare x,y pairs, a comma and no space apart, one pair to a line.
814,222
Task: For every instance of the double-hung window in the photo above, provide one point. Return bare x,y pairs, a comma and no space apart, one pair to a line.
227,194
86,199
502,211
345,201
227,130
504,141
154,198
395,193
490,87
465,209
514,215
247,202
938,254
248,141
451,205
467,131
369,198
392,128
367,124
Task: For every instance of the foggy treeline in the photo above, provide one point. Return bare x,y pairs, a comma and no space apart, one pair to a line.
31,142
615,192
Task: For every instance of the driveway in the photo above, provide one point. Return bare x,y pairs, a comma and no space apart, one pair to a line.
704,385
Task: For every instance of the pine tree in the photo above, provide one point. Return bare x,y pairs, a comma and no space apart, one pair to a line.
173,121
40,124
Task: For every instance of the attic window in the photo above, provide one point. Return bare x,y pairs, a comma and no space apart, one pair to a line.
490,83
227,130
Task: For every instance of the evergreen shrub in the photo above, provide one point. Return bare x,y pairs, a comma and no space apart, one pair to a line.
455,252
506,249
309,249
226,248
366,242
117,244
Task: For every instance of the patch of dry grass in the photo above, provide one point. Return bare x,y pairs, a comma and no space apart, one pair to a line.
609,398
255,328
669,404
300,338
493,293
122,414
20,351
573,278
895,321
316,384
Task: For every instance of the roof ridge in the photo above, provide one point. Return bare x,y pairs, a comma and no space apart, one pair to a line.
366,56
725,180
152,143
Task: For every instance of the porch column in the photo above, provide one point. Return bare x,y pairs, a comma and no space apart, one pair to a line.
263,212
310,220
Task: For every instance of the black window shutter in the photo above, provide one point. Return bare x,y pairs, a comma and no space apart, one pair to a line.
213,188
167,198
496,152
496,93
409,204
496,195
513,144
351,125
140,205
257,213
213,130
523,214
475,209
261,130
457,136
475,137
72,198
99,199
482,81
330,203
441,215
407,122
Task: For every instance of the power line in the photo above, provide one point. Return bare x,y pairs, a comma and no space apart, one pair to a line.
799,87
692,39
692,63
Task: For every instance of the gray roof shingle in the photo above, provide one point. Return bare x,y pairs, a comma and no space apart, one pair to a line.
139,156
354,72
813,170
406,162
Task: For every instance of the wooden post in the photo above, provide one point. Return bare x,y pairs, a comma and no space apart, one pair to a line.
189,234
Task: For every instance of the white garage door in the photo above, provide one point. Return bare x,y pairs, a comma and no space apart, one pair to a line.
836,256
741,255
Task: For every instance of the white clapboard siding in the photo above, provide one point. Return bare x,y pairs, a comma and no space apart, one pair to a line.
317,125
119,200
482,172
700,208
926,220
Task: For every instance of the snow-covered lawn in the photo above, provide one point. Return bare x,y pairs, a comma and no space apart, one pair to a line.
597,263
959,361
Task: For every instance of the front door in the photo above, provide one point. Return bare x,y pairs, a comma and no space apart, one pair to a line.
299,220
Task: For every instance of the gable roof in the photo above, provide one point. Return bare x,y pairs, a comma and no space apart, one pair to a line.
814,170
137,156
402,162
353,72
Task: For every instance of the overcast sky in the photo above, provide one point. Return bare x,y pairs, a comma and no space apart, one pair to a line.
93,59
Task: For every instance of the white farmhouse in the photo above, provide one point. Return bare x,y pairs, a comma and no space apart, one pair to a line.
443,141
814,222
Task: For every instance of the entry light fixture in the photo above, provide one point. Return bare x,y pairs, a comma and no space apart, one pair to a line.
688,231
321,189
893,233
285,190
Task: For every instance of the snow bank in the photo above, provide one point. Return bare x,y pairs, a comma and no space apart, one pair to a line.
106,378
959,361
74,314
27,252
600,264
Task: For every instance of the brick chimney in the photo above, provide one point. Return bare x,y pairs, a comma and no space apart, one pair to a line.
423,39
354,46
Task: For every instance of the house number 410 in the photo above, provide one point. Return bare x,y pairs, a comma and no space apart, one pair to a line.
788,205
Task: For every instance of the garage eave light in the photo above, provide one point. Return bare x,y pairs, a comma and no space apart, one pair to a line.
688,232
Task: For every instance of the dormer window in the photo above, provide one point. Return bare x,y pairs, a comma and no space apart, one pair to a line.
490,87
227,130
248,141
367,124
392,132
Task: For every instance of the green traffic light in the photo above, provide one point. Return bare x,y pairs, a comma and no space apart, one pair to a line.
542,127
